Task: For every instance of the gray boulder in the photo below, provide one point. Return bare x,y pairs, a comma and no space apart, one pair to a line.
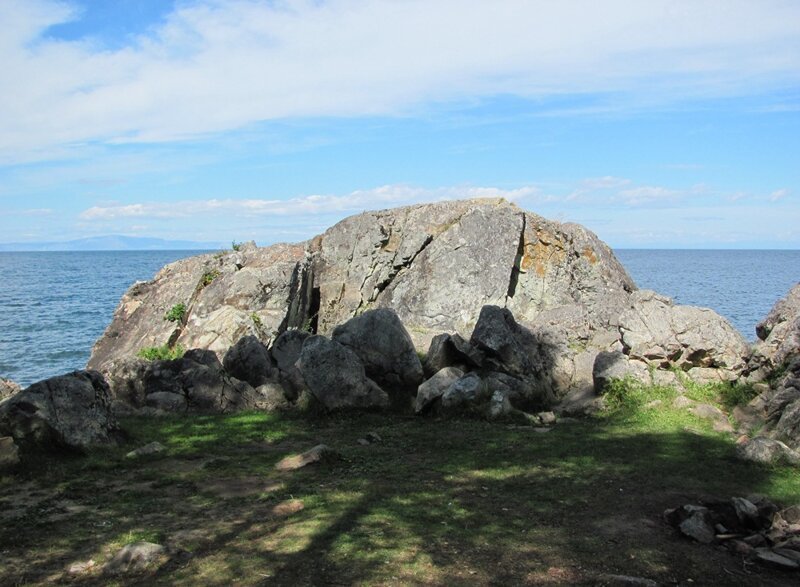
767,450
468,392
788,426
779,331
385,349
9,452
512,349
336,377
451,350
195,383
433,389
70,411
285,352
248,360
615,365
696,340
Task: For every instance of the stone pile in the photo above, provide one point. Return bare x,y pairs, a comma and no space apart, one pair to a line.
752,527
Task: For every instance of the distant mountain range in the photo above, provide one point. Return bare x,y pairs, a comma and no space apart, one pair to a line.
114,243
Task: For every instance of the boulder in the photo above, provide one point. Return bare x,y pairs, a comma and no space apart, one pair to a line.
285,352
135,558
385,349
512,349
768,451
336,377
661,334
615,365
70,411
195,383
788,426
467,392
8,388
9,452
248,360
272,397
451,350
432,389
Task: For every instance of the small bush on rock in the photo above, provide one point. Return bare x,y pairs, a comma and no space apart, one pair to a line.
176,313
161,353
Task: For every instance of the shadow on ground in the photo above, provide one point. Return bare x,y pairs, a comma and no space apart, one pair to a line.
457,502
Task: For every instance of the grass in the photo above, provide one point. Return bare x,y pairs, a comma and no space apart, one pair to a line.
161,353
176,313
451,501
207,278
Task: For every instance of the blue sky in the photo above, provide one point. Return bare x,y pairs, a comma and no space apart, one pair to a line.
659,124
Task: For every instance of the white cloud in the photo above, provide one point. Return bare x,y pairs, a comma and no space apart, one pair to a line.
384,196
778,195
214,66
649,194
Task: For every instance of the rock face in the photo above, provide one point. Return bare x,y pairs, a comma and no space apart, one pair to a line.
66,412
780,330
417,278
435,265
8,388
227,295
695,340
777,359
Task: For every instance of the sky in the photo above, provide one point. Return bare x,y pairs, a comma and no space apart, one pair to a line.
658,124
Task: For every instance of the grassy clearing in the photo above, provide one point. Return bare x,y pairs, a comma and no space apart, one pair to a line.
436,501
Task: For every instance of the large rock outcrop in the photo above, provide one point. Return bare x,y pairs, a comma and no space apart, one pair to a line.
255,291
696,340
435,265
70,411
776,359
779,331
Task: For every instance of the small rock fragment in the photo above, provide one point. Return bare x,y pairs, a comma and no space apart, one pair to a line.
148,449
316,454
775,560
135,557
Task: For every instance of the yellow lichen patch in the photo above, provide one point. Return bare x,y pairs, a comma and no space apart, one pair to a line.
590,255
541,254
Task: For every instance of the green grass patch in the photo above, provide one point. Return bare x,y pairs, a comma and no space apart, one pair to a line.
453,501
161,353
176,313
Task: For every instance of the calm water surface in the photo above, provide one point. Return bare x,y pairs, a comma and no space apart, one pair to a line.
54,305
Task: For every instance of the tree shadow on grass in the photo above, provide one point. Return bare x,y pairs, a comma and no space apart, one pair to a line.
451,501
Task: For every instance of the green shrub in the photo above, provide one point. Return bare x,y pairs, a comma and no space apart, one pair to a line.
161,353
207,278
236,246
176,313
256,320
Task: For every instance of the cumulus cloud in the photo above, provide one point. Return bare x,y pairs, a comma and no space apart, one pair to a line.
213,66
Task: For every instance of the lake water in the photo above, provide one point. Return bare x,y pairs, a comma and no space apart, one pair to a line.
54,305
